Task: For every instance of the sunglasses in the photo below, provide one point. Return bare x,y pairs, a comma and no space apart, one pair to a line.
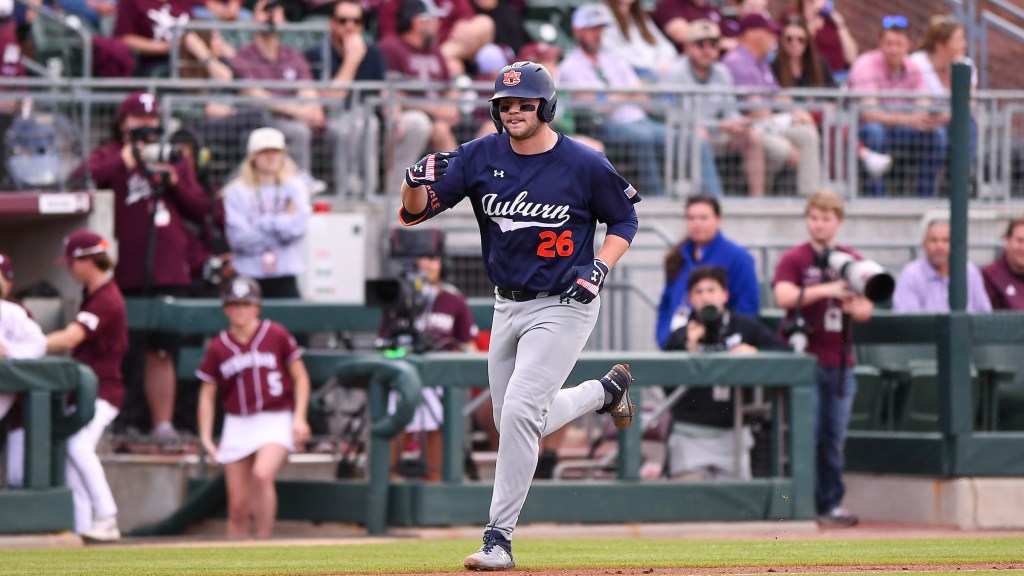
346,20
896,22
706,44
522,108
798,39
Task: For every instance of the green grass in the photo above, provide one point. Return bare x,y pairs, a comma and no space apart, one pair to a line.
412,556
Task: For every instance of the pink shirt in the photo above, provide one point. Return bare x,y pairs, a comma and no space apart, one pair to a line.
869,73
291,65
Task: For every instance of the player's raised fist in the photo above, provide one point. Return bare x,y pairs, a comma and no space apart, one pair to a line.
586,282
429,169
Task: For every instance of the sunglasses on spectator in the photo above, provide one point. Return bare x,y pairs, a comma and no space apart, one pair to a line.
794,38
706,43
346,20
895,23
522,108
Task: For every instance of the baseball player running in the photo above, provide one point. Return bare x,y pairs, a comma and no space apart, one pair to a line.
537,196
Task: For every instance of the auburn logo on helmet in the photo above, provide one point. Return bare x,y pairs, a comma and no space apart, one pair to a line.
512,78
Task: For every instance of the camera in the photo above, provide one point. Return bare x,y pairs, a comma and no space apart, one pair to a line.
712,319
404,295
865,277
162,153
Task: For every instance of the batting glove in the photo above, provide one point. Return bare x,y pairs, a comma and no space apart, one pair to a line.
429,169
586,282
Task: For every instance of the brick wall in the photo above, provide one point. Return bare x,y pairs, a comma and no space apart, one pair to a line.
864,18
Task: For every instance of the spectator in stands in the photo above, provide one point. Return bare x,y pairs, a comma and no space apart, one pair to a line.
413,54
354,59
253,369
98,338
635,38
444,323
461,33
267,212
721,125
146,27
788,137
296,112
674,18
797,65
897,124
702,443
226,10
705,245
923,285
549,56
152,200
806,287
10,62
622,124
509,30
944,44
832,38
1004,278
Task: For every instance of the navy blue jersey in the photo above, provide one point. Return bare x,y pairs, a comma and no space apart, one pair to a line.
537,213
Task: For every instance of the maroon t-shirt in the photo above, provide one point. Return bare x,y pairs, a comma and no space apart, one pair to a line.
797,266
252,377
407,62
105,322
387,16
1005,289
133,202
666,10
290,65
448,323
140,18
10,51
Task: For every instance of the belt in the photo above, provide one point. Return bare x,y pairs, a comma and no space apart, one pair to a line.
520,295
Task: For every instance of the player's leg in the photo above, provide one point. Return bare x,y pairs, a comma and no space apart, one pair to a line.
237,476
547,350
95,509
263,496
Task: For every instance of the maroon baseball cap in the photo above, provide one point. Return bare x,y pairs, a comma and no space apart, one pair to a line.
758,21
6,267
81,243
539,52
138,104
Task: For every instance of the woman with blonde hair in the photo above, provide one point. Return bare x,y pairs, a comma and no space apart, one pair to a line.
944,44
636,38
266,210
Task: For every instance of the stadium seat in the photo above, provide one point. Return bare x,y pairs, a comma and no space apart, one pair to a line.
54,40
1001,366
871,404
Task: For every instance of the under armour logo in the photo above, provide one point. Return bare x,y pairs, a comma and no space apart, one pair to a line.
499,173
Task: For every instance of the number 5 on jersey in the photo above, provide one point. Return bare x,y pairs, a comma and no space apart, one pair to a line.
552,244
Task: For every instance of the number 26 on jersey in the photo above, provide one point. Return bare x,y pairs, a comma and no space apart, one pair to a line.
552,244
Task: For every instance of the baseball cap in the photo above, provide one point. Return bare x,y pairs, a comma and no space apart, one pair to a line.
81,243
591,16
412,8
6,267
757,21
702,29
539,52
242,290
265,138
138,104
491,58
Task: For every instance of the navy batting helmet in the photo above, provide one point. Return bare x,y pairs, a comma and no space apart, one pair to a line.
525,80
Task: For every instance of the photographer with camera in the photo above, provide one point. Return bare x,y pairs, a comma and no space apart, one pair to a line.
701,445
820,299
154,193
431,316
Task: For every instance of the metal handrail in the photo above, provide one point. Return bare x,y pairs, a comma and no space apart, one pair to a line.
71,22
